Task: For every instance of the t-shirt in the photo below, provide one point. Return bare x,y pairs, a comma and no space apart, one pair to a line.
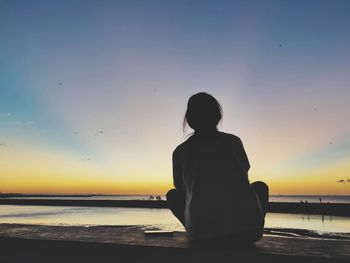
212,171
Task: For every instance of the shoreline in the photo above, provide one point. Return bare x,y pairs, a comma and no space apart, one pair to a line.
331,209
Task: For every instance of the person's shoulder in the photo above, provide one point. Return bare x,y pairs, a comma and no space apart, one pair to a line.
183,146
230,137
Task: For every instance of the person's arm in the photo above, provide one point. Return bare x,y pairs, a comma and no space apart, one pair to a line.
177,176
244,157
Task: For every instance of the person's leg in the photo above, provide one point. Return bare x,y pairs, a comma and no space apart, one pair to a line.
176,202
262,191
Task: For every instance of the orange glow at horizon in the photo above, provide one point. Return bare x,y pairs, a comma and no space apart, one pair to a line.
64,176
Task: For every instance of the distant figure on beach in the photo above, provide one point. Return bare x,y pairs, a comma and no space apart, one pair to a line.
213,198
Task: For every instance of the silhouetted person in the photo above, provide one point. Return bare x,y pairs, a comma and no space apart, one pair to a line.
213,198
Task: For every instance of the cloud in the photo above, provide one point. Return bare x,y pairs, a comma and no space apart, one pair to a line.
2,144
30,122
5,114
343,181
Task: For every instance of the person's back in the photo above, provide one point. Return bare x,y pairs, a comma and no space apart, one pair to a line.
210,172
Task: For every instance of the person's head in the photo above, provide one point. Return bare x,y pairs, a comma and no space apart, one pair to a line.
203,112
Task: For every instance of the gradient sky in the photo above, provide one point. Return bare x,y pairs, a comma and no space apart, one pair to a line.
92,93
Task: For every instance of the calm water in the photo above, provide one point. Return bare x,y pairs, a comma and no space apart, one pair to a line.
161,218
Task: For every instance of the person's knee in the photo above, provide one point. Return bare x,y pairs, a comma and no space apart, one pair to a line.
170,194
261,186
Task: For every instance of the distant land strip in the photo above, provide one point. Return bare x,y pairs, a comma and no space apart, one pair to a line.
273,207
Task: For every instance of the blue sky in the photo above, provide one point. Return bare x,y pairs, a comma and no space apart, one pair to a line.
71,69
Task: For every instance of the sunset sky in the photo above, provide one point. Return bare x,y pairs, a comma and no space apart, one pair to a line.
93,93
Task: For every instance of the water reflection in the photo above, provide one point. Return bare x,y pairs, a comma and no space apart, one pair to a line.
51,215
310,222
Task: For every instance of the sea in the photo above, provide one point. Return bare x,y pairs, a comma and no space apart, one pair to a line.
163,219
